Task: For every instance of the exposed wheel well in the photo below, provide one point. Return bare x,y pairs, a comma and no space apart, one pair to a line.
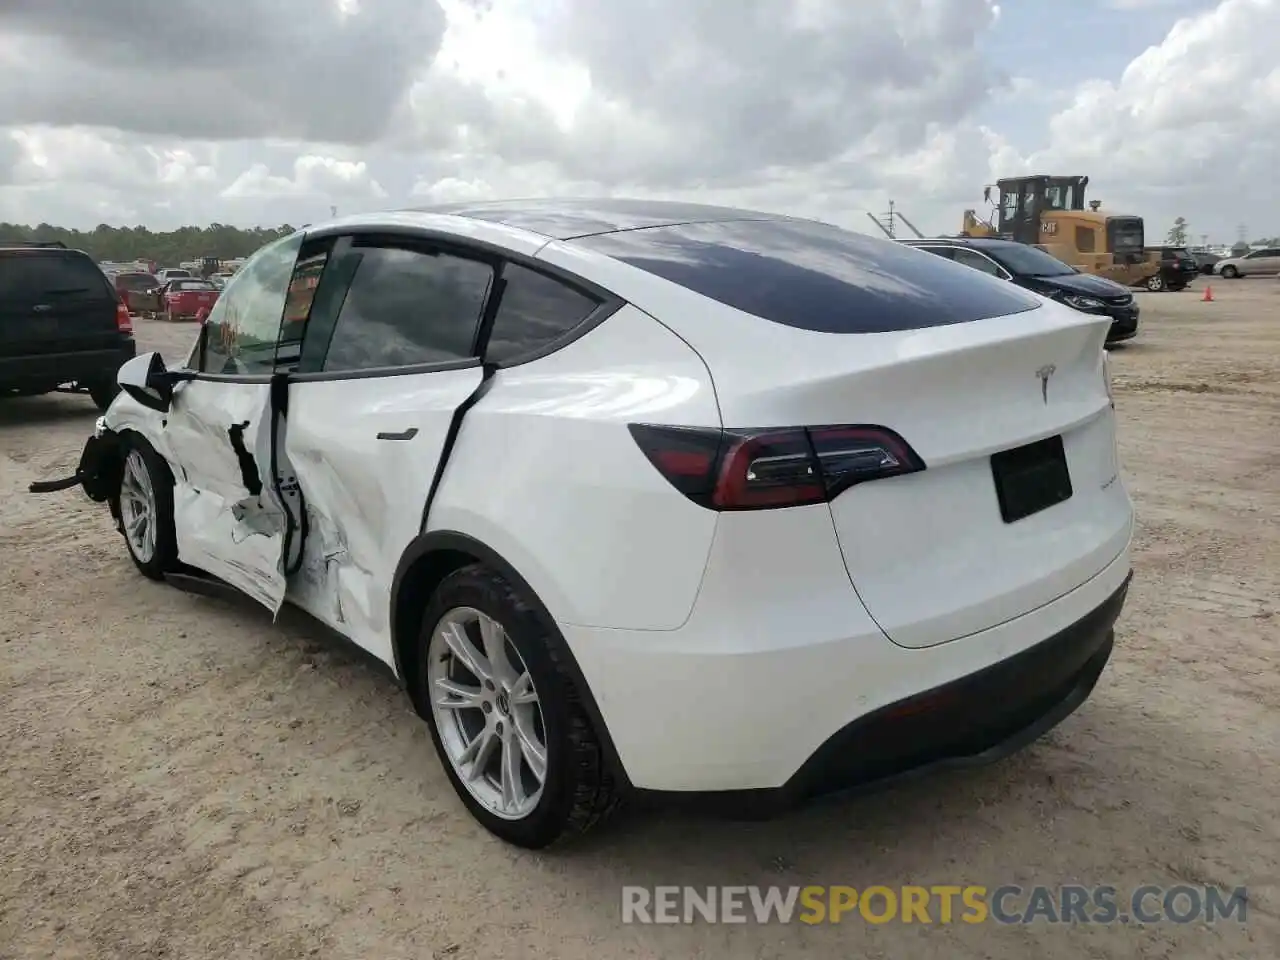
414,590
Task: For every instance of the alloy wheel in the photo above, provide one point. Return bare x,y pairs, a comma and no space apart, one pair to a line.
138,507
487,713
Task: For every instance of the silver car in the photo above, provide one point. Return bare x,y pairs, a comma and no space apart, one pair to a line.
1259,263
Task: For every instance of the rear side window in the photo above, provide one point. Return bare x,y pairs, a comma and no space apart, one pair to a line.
535,311
944,252
977,261
36,277
407,307
813,276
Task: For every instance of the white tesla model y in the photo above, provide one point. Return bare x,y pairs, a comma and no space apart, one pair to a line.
646,499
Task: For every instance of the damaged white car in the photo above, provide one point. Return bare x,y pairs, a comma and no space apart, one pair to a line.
644,499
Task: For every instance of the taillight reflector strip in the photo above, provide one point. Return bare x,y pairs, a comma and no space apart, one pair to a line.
774,467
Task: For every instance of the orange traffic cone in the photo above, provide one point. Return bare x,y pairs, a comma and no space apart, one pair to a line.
1208,294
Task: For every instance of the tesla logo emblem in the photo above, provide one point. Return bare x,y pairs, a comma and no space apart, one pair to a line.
1044,373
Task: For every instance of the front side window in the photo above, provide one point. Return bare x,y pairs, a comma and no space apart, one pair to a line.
406,307
535,311
1026,261
243,326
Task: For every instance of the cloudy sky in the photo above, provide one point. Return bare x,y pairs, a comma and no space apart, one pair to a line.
166,112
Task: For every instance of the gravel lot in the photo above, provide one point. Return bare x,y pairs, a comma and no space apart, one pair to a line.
179,778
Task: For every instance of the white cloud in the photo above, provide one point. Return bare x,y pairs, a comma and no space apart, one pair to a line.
1191,127
1139,4
818,107
313,177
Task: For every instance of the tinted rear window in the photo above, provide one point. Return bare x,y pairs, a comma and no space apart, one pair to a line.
813,276
36,276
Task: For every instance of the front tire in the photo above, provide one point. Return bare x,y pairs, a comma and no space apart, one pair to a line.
504,715
1230,273
145,505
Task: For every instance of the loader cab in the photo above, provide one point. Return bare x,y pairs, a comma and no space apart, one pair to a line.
1025,200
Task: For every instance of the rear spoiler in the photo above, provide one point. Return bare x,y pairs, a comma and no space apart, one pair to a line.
58,244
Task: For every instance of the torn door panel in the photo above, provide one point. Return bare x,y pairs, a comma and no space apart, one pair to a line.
239,542
228,519
335,582
201,428
314,587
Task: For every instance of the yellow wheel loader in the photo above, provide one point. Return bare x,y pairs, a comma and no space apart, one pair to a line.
1049,212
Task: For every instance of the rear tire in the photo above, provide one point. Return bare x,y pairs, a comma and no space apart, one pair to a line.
145,506
1230,273
1155,284
525,673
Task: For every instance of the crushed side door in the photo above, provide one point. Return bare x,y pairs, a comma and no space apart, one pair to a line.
232,516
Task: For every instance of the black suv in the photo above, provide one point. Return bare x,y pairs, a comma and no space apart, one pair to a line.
61,323
1044,274
1177,268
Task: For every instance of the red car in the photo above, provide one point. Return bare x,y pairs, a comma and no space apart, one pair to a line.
187,299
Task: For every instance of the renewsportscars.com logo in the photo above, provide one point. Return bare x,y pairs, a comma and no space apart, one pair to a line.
941,904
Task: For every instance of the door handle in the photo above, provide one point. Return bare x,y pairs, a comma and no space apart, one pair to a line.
402,435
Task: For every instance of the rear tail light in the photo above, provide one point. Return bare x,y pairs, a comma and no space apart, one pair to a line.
124,322
788,467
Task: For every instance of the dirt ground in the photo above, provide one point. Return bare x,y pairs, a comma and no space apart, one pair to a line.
181,779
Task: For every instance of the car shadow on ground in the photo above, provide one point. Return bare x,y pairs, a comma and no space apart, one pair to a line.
1107,769
820,841
49,408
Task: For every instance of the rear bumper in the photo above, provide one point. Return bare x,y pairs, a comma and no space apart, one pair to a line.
973,721
53,369
1180,276
761,700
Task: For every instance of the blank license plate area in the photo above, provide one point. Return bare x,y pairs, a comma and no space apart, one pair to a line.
1031,478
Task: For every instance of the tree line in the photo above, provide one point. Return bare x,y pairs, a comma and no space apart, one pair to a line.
105,242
